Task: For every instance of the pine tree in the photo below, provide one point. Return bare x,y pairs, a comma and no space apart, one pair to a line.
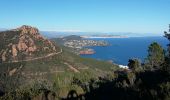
134,65
167,35
167,58
155,55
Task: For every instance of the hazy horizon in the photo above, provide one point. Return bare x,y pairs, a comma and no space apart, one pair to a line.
93,32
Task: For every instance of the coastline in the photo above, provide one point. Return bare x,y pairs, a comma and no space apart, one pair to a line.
95,37
121,50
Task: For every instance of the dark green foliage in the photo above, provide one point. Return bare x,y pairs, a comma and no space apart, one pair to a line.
167,59
155,56
58,76
167,35
7,37
134,64
166,65
149,85
30,94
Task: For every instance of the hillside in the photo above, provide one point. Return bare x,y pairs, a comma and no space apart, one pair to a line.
24,43
66,76
21,68
62,40
60,69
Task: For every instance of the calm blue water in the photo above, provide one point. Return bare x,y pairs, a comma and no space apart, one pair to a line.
122,49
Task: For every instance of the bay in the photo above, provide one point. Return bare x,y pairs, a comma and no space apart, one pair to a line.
123,49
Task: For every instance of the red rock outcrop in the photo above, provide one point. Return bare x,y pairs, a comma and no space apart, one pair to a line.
30,30
28,41
14,51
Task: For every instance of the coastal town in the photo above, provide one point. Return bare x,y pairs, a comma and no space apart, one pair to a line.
81,46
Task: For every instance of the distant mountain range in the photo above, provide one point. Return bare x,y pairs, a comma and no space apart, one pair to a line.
52,34
56,34
2,29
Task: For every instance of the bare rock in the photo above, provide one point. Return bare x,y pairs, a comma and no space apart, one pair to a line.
28,29
4,56
14,51
46,48
12,71
31,49
22,46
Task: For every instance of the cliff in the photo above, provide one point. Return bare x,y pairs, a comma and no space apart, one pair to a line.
23,43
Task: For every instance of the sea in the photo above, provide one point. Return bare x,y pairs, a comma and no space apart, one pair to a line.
121,50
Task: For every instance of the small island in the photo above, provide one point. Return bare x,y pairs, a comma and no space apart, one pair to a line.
87,52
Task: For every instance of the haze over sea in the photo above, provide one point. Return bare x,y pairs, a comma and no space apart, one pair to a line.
122,49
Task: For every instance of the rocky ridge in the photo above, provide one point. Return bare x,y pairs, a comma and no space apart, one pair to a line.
23,43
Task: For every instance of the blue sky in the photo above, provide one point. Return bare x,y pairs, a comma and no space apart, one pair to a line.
137,16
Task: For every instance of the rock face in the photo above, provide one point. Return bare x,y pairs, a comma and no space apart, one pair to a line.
14,51
28,29
22,43
4,56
